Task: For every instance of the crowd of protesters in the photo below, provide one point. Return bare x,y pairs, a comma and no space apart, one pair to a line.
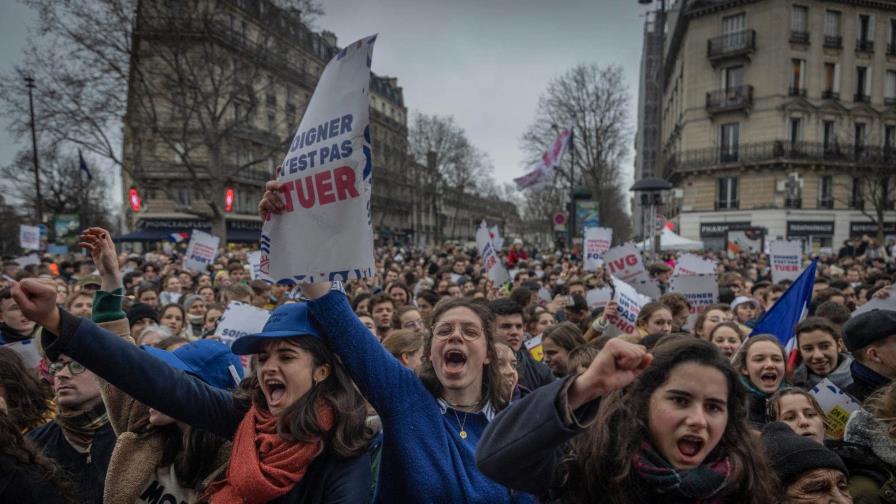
428,383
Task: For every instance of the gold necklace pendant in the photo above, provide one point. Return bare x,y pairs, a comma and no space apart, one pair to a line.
463,434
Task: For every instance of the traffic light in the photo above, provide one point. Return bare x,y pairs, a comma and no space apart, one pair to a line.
228,200
134,199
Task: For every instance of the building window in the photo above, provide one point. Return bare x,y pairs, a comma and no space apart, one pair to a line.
730,141
863,84
799,24
889,138
727,197
859,139
855,195
890,88
732,78
865,33
829,138
184,196
798,77
796,130
831,81
891,38
832,36
826,192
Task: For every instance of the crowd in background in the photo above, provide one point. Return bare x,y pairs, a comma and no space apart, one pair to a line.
428,383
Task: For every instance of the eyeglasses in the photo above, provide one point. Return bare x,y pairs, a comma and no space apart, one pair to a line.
468,331
73,367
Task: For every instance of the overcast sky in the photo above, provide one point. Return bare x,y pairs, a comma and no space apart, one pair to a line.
485,62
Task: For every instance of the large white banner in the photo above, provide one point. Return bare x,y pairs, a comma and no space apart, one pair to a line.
497,240
496,271
201,251
701,291
786,259
541,172
624,262
597,243
690,264
630,303
325,231
29,237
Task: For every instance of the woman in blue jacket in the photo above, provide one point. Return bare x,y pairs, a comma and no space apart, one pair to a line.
297,423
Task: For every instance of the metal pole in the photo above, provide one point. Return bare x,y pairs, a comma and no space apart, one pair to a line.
572,186
29,82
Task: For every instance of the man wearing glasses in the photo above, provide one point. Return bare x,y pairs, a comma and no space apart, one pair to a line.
80,439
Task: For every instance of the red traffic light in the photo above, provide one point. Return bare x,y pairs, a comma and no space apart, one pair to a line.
228,200
134,199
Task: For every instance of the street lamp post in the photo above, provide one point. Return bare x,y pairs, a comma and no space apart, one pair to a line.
29,82
651,190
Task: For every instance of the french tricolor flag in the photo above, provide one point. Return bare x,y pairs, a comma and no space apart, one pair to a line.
178,237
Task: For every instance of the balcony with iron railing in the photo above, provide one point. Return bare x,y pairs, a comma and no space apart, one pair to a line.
799,37
833,41
830,95
826,202
761,153
793,202
861,98
891,49
864,45
796,91
731,45
726,100
727,204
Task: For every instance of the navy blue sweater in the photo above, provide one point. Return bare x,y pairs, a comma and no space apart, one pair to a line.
186,398
424,458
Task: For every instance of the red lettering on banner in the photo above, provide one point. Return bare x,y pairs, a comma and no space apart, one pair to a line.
631,260
321,188
323,181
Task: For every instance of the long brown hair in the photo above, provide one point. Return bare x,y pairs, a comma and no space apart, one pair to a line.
599,467
28,400
491,375
27,459
349,436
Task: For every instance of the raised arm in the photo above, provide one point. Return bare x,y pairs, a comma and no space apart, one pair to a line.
389,386
138,374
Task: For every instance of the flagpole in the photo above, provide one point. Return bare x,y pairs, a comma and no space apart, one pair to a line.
29,83
572,184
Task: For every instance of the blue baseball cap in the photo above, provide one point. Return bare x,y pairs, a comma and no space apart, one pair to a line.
286,321
209,360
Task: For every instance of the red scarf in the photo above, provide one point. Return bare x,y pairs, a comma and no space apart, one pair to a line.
263,465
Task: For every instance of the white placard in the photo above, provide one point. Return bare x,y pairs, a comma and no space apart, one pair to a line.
29,237
27,350
240,319
701,291
27,260
597,243
837,406
201,251
599,297
496,271
690,264
624,262
785,259
325,231
497,240
254,260
630,303
888,303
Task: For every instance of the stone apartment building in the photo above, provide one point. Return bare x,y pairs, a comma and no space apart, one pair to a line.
774,111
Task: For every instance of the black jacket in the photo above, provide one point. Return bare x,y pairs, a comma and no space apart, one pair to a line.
186,398
533,374
87,471
25,485
864,382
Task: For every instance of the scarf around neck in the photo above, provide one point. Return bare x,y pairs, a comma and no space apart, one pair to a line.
79,426
705,484
263,465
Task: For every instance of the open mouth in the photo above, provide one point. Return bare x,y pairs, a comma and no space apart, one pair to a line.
690,446
808,434
454,360
275,389
769,378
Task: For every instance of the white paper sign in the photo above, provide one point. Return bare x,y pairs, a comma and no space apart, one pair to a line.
599,297
497,240
27,350
496,271
29,237
888,303
597,243
630,303
837,406
201,251
786,259
325,231
254,260
690,264
701,291
624,262
28,260
240,319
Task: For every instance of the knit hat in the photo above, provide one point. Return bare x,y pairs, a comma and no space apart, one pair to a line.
189,300
866,328
209,360
739,300
141,311
791,455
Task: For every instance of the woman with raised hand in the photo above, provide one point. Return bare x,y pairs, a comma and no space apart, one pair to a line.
297,423
633,428
433,419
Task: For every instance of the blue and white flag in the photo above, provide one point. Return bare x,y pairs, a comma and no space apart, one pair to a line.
789,310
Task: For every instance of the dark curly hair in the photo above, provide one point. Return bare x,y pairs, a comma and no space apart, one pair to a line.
26,458
27,398
598,466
